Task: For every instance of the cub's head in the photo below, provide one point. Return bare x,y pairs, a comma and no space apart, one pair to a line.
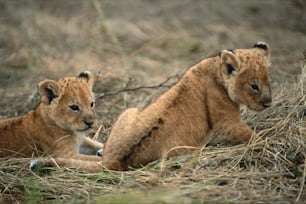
246,76
69,102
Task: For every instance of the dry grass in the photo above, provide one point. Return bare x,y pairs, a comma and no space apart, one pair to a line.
271,168
148,41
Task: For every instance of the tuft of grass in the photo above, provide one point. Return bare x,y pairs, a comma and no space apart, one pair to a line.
144,197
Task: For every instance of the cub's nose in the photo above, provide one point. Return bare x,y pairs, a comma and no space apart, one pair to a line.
267,102
267,105
89,123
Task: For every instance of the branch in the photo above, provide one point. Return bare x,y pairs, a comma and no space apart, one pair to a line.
126,89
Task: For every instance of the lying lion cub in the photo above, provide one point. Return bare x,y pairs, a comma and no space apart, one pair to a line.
204,102
58,125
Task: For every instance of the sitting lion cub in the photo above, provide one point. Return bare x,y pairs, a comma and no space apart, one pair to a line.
203,104
58,125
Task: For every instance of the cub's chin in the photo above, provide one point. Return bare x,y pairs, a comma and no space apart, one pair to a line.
86,130
256,107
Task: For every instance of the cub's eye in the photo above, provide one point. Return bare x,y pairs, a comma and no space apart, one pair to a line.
255,87
92,104
74,108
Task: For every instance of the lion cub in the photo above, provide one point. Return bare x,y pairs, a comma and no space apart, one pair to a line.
58,125
204,102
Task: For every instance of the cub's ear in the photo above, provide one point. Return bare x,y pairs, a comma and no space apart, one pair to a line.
88,76
48,91
230,63
263,46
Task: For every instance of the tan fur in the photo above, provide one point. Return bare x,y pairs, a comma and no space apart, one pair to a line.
54,128
204,103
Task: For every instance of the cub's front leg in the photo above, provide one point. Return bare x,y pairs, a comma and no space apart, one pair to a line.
67,155
234,132
70,147
88,166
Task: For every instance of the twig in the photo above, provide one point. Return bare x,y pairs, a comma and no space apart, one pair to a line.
97,133
126,89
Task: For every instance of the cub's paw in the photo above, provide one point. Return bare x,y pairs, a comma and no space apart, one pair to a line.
42,165
99,153
35,164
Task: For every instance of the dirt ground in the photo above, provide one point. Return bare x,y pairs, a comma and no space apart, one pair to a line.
136,43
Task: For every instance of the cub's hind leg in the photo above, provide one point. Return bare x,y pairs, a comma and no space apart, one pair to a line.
126,133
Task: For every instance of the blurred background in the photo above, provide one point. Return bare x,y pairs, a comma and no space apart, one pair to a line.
141,42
